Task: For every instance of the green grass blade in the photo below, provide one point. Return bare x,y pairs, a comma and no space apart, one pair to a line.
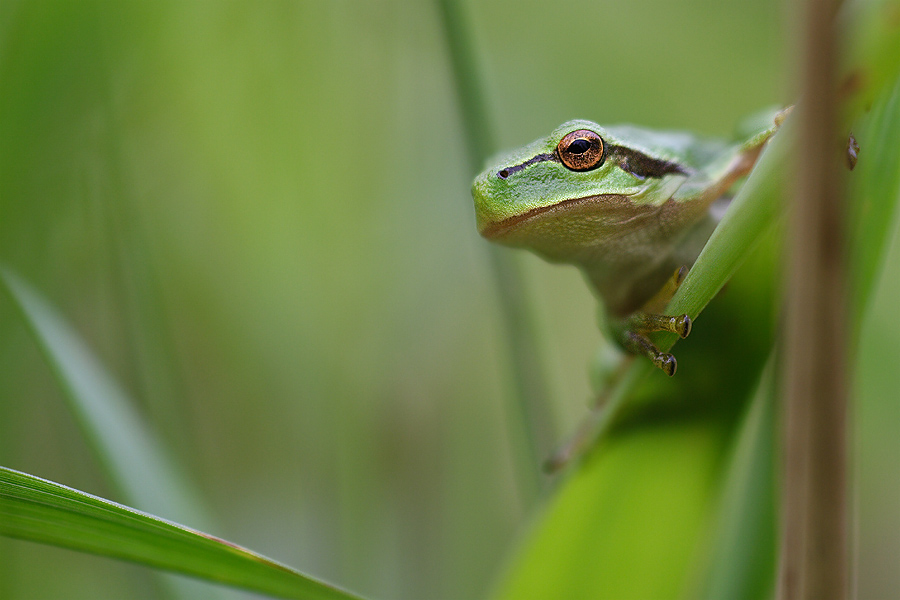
136,462
871,48
42,511
755,209
532,391
875,192
743,551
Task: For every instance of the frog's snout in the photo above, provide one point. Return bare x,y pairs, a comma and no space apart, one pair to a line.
484,215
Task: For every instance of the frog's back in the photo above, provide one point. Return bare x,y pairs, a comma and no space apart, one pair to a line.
692,151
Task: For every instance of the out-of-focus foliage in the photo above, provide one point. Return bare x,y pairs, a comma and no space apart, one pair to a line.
257,214
35,509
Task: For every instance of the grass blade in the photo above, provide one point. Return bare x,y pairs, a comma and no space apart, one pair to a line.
134,459
755,209
743,551
38,510
531,425
874,190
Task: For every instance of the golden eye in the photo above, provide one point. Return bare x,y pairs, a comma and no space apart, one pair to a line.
581,150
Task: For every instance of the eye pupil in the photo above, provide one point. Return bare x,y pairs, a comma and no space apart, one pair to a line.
579,146
581,150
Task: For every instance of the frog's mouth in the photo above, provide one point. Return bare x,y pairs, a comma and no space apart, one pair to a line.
613,209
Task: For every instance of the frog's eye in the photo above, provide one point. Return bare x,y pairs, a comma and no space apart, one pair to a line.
581,150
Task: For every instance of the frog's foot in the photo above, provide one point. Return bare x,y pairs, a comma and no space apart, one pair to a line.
637,325
635,338
638,343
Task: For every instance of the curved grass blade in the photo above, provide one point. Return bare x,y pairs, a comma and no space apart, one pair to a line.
875,193
743,554
756,208
134,459
135,462
38,510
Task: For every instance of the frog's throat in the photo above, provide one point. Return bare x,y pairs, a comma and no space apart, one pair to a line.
499,229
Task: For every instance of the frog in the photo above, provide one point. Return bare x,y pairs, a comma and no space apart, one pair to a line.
630,207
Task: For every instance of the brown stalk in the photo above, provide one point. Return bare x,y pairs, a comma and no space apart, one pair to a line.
815,557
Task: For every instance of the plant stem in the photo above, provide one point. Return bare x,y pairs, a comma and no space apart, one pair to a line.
531,426
814,550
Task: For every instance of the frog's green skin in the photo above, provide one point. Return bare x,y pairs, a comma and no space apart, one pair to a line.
630,222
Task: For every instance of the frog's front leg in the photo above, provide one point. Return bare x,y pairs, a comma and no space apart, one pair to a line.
637,342
635,327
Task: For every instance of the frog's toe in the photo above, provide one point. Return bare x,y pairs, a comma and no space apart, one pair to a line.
667,363
639,344
683,326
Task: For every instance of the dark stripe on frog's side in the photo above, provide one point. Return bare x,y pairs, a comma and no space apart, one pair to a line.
642,166
631,161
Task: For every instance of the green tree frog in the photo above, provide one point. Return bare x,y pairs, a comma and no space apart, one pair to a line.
628,206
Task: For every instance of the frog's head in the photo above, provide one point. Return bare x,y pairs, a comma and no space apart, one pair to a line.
559,193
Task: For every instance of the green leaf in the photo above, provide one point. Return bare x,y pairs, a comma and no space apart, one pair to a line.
625,524
42,511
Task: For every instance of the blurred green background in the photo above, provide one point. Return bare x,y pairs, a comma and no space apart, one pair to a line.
258,215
